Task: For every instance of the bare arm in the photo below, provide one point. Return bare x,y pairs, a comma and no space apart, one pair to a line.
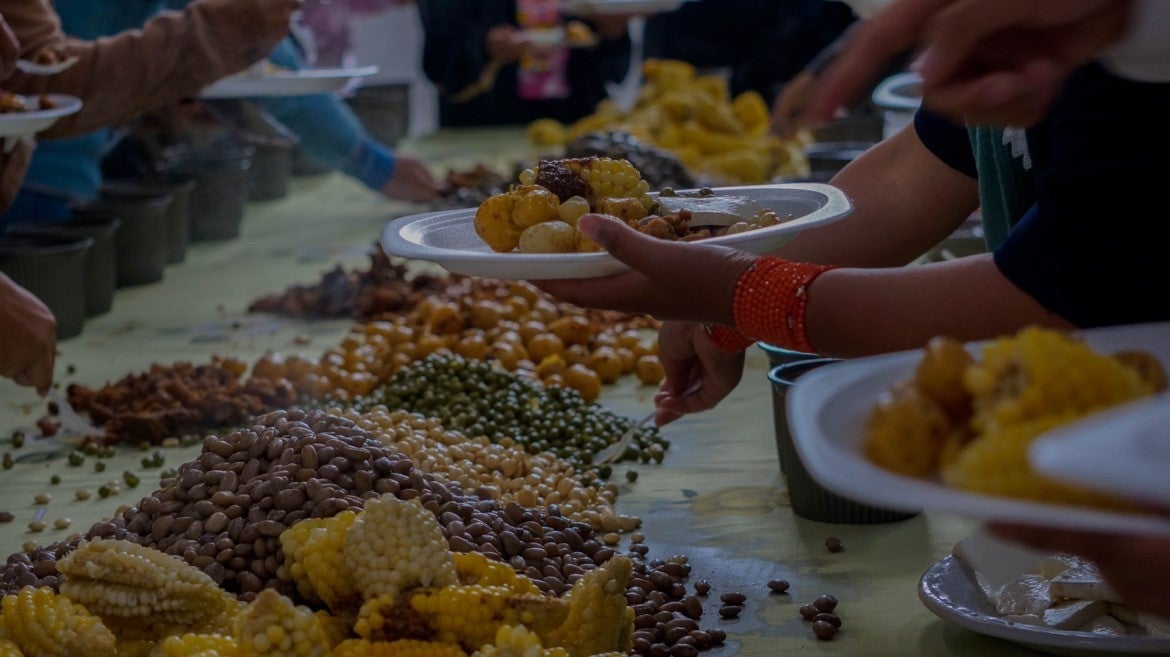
905,201
172,57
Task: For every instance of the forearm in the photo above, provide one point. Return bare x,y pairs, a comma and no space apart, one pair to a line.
904,200
855,312
172,57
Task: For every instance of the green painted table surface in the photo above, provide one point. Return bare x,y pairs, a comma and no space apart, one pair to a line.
718,497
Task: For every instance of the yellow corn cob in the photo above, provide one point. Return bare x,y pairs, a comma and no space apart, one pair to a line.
272,625
470,615
476,568
386,618
125,580
603,177
197,645
337,628
394,546
44,624
9,649
997,464
315,561
139,648
599,619
512,641
1042,372
400,648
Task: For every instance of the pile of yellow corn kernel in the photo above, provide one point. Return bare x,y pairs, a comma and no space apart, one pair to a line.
513,323
507,472
693,116
383,582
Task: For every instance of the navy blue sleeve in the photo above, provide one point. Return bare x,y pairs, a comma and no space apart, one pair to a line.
1094,248
948,141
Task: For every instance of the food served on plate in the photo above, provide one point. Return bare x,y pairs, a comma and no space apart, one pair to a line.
578,33
969,420
1057,591
540,214
11,103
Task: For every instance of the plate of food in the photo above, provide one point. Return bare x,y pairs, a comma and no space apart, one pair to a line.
573,34
528,232
610,7
22,116
274,81
1056,604
948,427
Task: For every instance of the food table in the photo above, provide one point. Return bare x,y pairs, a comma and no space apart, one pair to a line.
718,497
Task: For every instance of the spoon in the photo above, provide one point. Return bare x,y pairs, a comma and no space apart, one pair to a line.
615,450
70,419
33,68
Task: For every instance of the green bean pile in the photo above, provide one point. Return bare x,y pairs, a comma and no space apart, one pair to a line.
476,398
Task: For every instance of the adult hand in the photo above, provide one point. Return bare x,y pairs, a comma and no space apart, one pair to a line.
1137,567
9,49
790,103
688,356
671,280
982,61
504,43
30,337
411,182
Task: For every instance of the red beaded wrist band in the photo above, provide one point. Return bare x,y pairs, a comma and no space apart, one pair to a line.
727,339
770,302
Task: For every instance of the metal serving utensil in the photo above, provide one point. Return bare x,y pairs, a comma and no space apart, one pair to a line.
614,450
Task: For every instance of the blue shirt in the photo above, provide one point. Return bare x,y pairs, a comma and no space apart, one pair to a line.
70,169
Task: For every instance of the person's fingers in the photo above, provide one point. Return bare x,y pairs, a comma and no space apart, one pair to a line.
641,252
870,47
1008,98
1076,29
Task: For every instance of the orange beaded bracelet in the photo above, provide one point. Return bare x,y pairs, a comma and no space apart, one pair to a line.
769,305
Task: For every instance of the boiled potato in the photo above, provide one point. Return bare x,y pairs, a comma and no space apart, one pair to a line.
493,223
549,237
534,205
629,210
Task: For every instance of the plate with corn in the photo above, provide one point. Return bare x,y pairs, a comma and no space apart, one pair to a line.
529,231
949,427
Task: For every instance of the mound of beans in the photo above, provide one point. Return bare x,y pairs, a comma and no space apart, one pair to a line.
224,511
506,472
478,399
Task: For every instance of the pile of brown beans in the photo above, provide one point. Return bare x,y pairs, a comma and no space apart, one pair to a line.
225,510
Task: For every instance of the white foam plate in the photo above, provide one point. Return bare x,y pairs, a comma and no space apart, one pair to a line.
285,83
603,7
827,411
1124,451
33,68
449,239
20,124
899,92
949,590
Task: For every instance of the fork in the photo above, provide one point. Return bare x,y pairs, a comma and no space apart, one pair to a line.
615,450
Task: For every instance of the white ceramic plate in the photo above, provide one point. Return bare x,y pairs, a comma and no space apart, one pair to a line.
285,83
1133,462
949,590
602,7
828,407
20,124
449,238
